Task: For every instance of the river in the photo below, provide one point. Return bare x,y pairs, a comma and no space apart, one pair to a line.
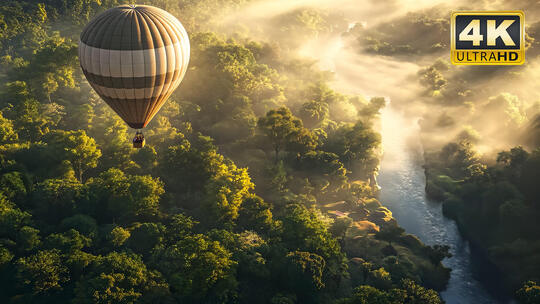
402,182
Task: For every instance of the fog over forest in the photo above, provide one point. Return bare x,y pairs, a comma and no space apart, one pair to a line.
258,181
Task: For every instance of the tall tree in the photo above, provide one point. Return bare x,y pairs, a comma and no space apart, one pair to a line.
7,133
115,195
42,271
119,278
194,265
76,147
284,130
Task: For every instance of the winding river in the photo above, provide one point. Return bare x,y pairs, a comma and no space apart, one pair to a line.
403,182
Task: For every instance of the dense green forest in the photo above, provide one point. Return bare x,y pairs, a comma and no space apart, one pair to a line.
256,185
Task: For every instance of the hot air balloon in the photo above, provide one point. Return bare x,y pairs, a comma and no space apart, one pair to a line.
134,57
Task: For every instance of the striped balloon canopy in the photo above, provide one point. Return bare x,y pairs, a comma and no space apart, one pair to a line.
134,56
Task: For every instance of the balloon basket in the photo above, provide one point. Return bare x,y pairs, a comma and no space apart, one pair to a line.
138,140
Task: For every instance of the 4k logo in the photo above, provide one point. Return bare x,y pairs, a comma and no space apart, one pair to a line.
488,37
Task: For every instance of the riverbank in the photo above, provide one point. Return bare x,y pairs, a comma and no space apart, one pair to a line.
494,208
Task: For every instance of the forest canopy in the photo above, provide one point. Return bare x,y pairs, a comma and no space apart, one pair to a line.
257,184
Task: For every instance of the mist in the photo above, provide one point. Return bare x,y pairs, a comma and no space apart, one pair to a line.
493,102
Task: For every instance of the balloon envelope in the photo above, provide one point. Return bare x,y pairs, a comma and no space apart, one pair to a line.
134,56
